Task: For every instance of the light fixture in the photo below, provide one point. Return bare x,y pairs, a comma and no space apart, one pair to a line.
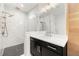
53,5
31,16
22,5
48,6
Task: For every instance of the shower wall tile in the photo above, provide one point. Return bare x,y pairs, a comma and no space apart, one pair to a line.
15,27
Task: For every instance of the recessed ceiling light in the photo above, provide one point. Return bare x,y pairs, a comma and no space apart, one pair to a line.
31,16
53,4
22,5
47,7
43,10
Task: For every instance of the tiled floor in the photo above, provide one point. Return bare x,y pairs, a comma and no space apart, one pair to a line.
16,50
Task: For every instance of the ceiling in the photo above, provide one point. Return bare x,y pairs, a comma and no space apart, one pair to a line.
33,7
25,8
60,9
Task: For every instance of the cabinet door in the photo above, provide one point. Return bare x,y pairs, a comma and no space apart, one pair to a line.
47,52
32,47
38,50
35,48
73,27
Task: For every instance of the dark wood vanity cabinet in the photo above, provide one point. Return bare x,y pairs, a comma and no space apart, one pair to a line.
47,52
35,48
42,48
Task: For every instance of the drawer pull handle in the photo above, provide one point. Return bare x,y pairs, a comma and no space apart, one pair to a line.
52,47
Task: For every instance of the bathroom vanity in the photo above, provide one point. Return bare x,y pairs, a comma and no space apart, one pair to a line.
42,45
42,48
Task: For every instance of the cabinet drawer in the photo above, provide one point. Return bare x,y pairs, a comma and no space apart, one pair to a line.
47,52
55,48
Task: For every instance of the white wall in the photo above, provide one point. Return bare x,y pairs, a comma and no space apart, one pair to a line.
55,20
32,24
60,20
15,26
50,23
60,24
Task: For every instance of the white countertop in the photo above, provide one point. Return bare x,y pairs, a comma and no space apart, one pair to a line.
56,39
